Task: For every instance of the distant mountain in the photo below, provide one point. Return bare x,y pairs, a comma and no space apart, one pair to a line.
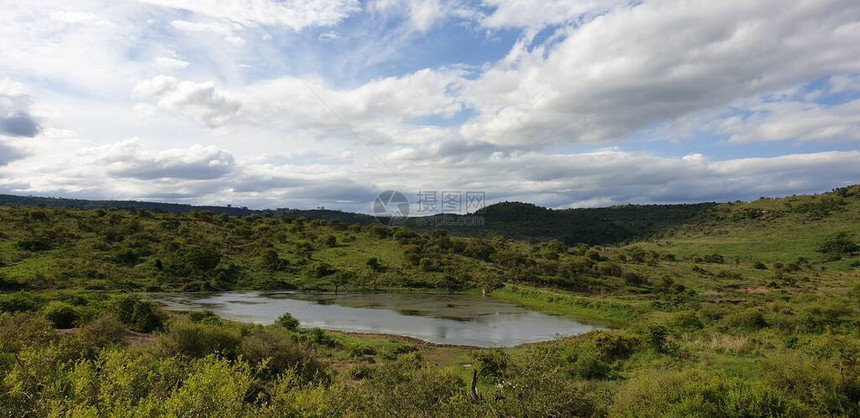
523,221
608,225
58,202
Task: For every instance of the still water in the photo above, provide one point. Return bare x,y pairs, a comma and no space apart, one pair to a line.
445,319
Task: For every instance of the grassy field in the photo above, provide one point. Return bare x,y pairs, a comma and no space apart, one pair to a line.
742,309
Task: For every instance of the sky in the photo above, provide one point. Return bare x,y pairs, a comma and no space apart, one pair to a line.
301,104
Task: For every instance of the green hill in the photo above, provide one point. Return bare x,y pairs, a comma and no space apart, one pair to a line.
741,309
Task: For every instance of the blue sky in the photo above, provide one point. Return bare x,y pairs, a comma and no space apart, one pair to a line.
293,103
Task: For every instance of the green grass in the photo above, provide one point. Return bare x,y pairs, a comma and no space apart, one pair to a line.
613,312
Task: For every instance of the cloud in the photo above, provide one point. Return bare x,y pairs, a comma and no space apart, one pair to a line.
536,14
128,159
295,14
383,111
199,100
167,63
9,154
204,175
421,15
636,67
799,121
15,117
229,32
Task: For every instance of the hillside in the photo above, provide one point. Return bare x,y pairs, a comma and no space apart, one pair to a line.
749,308
515,220
593,226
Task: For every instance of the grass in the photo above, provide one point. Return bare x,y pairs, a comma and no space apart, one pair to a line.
606,310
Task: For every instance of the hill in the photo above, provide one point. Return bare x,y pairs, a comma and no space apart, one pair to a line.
593,226
747,308
515,220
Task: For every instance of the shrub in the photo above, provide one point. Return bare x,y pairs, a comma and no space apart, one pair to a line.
714,258
841,244
274,354
139,315
632,278
104,331
216,387
25,330
41,242
206,317
61,314
18,302
612,346
692,393
288,322
609,269
199,340
490,363
816,383
319,337
749,319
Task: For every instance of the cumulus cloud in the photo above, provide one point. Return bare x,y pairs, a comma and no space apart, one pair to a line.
15,117
199,100
203,175
795,121
9,153
385,110
295,14
129,159
635,67
530,121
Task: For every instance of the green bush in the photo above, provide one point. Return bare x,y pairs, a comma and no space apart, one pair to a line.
25,330
695,393
104,331
273,354
199,340
61,314
288,322
748,319
18,302
840,245
206,317
139,315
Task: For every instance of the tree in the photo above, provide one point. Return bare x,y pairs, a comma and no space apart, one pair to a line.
374,264
288,322
840,245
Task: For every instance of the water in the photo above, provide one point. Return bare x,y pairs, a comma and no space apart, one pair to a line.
444,319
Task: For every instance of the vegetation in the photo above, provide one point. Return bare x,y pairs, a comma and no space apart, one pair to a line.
742,309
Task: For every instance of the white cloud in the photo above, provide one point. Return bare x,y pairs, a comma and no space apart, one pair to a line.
795,121
535,14
296,14
129,159
199,100
636,67
167,63
421,15
384,110
127,169
605,70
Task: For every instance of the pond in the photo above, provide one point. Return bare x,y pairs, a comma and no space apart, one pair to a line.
470,320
